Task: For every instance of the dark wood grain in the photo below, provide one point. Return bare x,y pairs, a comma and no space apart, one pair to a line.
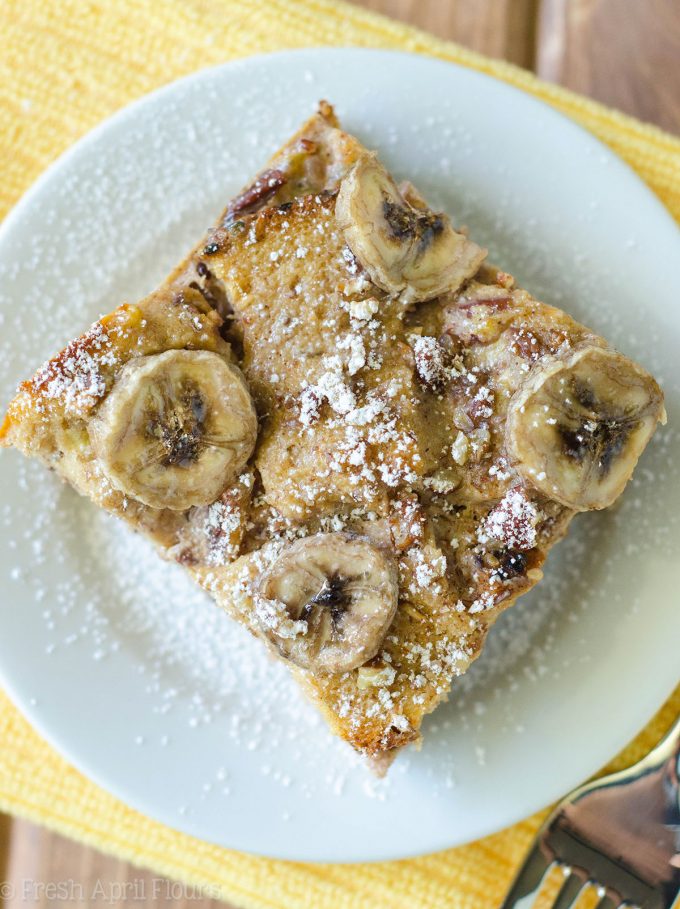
47,870
625,53
498,28
5,839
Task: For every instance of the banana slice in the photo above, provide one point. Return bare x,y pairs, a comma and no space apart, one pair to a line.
176,428
327,602
406,249
577,427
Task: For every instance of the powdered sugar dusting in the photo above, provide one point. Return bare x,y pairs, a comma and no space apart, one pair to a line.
332,387
432,365
513,521
93,594
200,670
76,378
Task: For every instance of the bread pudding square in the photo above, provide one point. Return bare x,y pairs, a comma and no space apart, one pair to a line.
358,435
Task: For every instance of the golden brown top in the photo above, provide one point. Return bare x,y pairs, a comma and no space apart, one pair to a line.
422,430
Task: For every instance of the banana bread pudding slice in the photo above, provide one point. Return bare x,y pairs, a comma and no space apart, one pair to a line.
360,437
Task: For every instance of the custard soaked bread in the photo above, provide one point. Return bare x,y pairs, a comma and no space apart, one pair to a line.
356,434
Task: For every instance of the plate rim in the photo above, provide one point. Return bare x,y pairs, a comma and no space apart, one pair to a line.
42,724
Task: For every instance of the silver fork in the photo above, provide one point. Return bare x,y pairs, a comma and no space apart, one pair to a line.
619,835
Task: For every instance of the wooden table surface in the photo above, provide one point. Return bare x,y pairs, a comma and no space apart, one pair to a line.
625,53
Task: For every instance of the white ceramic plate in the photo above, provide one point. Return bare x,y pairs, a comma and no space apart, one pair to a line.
134,676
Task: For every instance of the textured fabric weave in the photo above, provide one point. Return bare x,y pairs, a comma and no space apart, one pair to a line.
64,67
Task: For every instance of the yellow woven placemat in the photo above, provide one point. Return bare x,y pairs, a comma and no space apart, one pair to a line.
64,67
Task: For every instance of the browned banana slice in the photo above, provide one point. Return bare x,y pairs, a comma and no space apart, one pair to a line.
405,249
577,427
176,428
327,602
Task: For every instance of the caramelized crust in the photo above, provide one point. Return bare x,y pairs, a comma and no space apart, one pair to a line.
50,415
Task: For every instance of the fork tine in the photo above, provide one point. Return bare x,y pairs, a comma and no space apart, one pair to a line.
570,891
529,879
